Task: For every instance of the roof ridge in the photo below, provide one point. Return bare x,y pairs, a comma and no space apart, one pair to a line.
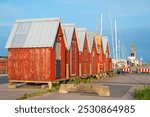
68,24
38,19
81,29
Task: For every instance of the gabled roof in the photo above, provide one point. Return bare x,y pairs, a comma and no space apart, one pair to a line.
68,30
29,33
81,34
105,43
91,37
98,41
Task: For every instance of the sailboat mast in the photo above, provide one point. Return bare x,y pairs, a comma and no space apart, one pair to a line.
119,57
112,36
96,24
116,40
101,25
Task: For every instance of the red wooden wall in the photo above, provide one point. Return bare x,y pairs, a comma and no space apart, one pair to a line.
108,60
94,59
3,65
74,60
85,59
63,56
29,64
101,53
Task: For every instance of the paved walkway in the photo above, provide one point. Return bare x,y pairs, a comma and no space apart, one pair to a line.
12,94
121,87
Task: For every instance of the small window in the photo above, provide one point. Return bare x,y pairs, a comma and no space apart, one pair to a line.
21,34
23,28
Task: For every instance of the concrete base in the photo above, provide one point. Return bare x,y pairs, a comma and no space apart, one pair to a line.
101,90
12,85
66,88
44,86
50,84
85,88
110,74
104,75
98,77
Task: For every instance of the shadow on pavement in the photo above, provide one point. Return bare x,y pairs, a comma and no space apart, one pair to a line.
118,90
3,79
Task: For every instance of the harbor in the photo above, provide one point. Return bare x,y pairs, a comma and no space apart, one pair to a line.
100,54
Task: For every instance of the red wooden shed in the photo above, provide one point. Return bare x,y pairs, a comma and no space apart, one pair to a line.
107,59
72,59
84,52
99,45
36,51
94,67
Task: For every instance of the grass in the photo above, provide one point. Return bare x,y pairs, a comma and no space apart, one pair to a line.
55,87
142,94
81,80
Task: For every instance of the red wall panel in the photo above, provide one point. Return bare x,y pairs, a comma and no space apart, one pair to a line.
85,59
29,64
94,59
3,65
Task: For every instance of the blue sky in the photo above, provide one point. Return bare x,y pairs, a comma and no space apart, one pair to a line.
133,18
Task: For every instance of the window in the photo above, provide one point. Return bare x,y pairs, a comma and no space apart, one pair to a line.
21,34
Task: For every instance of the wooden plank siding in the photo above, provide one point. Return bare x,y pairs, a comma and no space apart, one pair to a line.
94,59
74,57
85,59
101,60
3,65
29,64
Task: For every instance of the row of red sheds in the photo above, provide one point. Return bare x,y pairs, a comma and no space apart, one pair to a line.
43,50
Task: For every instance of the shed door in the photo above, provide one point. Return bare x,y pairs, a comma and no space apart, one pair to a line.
85,61
93,62
73,58
58,59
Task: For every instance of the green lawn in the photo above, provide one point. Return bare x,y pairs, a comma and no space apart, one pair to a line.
142,94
